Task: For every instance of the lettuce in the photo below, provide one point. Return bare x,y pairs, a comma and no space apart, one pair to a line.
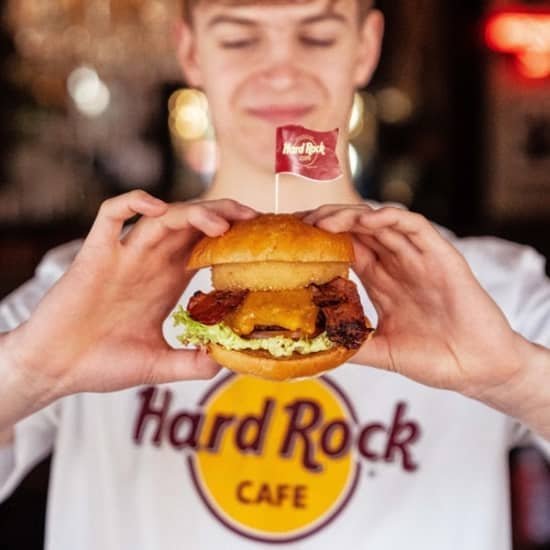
198,334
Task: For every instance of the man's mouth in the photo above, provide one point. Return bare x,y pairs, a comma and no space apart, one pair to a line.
280,115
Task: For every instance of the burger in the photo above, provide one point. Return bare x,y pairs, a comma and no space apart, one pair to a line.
282,306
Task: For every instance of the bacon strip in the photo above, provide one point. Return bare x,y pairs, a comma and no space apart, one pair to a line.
213,307
344,318
341,313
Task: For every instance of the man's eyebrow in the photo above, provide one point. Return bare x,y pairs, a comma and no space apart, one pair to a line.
231,19
220,19
327,16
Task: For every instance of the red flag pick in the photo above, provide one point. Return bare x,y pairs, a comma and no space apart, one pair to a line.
307,153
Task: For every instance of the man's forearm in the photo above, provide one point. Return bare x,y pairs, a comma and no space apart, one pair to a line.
526,396
22,392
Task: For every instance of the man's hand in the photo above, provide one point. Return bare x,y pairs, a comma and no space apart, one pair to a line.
100,327
436,324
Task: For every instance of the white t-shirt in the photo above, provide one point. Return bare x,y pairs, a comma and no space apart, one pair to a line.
358,458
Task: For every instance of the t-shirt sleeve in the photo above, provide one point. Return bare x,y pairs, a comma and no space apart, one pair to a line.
34,436
17,307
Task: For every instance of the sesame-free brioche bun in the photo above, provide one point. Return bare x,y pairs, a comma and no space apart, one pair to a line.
273,252
264,365
272,238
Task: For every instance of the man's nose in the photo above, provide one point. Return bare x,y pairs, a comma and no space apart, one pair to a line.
279,78
280,66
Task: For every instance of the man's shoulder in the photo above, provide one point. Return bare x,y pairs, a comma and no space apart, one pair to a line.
495,258
514,275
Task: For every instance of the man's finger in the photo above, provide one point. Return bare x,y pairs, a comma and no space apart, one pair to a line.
358,221
328,210
114,212
206,216
372,264
373,353
373,244
340,221
302,214
417,228
365,257
210,218
177,365
397,242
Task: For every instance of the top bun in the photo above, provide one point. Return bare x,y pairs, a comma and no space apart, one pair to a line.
272,238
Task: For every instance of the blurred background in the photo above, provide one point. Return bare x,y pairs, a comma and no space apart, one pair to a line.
456,125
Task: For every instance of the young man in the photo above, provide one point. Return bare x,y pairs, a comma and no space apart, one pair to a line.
283,62
362,457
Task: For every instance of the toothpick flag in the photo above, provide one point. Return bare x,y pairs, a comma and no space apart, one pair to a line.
306,153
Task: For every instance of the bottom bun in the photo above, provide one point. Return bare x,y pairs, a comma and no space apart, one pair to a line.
264,365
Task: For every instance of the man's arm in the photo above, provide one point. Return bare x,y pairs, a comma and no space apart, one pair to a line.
436,324
24,390
109,307
526,396
25,444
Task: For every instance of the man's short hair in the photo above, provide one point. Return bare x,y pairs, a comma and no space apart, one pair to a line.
189,5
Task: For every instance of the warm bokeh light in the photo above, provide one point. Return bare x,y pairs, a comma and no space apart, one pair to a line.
354,161
188,97
394,105
130,40
357,116
192,131
527,35
188,114
89,93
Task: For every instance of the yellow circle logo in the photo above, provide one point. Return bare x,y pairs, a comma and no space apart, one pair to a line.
274,462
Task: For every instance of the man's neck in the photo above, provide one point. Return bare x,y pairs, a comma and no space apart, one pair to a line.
255,187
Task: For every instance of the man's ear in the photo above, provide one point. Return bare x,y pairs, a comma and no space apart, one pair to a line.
187,54
371,34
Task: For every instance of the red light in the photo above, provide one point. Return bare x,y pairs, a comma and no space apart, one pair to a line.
525,34
517,32
534,64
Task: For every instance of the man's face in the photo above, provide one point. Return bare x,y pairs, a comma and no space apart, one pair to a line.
263,66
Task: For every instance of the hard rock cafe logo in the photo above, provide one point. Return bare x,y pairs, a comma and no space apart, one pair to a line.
305,149
275,462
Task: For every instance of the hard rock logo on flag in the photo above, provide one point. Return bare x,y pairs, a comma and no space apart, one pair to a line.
307,153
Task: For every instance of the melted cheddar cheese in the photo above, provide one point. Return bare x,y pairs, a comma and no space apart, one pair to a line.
289,309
